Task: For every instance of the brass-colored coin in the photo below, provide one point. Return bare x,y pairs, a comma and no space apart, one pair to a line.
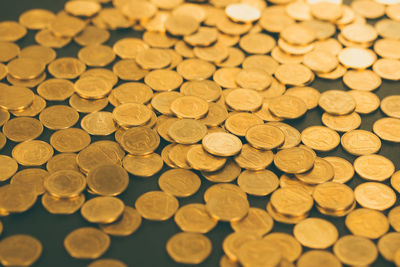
3,71
359,33
215,53
201,160
3,140
228,173
65,183
229,27
59,117
375,196
99,123
129,47
39,53
179,182
343,169
131,114
87,106
360,142
275,21
108,180
337,102
143,166
181,24
163,80
258,183
390,106
66,25
355,250
309,95
387,68
291,202
314,258
234,241
386,129
393,217
289,246
26,83
302,76
65,206
298,34
215,190
32,153
257,222
22,129
153,58
257,43
243,100
205,36
288,107
92,35
8,51
330,45
258,253
189,248
388,28
96,55
70,140
165,155
341,123
240,122
320,61
194,218
8,167
265,136
86,243
15,98
226,77
127,69
11,31
263,62
156,205
161,102
187,131
388,245
46,38
81,8
290,181
309,232
243,12
133,92
292,135
16,198
357,58
129,222
34,109
387,48
36,19
254,159
189,107
294,160
207,90
102,209
333,196
195,69
227,206
62,161
374,167
107,262
178,154
138,10
222,144
32,179
364,80
56,89
66,68
367,223
256,79
20,250
92,87
140,140
366,102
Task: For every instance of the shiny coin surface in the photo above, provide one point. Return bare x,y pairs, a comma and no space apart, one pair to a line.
102,209
86,243
375,196
156,205
294,160
306,233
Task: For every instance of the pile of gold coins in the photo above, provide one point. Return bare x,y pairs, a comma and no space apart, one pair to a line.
211,91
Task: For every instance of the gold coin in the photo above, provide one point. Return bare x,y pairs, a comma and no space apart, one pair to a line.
62,161
32,179
187,131
140,140
102,209
265,136
201,160
258,183
69,140
242,12
290,181
22,129
360,142
194,218
86,243
315,233
393,217
11,31
39,53
138,10
181,24
189,248
243,100
288,107
153,58
16,198
291,202
303,75
108,180
66,68
298,34
179,182
375,196
133,92
254,159
127,69
341,123
355,250
46,38
99,123
289,246
357,58
390,106
388,28
15,98
257,222
56,89
26,83
315,258
226,77
374,167
227,206
107,262
3,140
395,181
8,51
215,53
388,245
131,114
223,187
36,19
32,153
92,35
367,223
333,196
343,169
129,47
257,43
240,122
309,95
222,144
387,68
81,8
364,80
195,69
259,253
161,102
264,62
189,107
387,48
59,117
156,205
143,166
337,102
228,173
294,160
20,250
8,167
229,27
234,241
92,87
366,102
177,155
256,79
3,71
129,222
34,109
65,183
96,55
163,80
208,90
65,206
386,129
203,37
165,155
87,106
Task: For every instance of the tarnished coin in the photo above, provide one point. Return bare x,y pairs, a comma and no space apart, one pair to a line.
32,179
16,198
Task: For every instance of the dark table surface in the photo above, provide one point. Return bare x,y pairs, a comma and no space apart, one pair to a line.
146,247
